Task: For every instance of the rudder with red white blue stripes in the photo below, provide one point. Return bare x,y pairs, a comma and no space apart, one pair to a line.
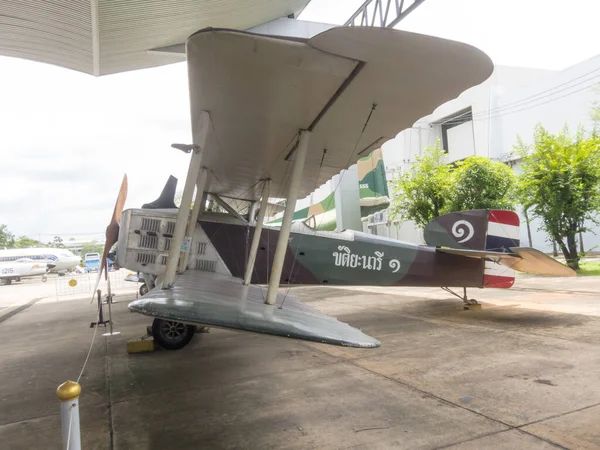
503,232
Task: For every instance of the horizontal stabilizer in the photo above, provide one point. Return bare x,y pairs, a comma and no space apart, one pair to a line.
523,259
223,301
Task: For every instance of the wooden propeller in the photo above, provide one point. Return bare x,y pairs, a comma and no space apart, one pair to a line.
112,231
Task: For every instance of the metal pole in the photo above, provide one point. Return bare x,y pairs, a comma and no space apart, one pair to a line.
257,232
286,224
68,395
109,301
186,201
191,228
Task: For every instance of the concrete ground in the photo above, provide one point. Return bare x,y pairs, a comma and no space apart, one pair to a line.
521,373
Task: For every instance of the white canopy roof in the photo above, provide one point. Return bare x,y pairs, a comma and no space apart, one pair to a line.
353,87
107,36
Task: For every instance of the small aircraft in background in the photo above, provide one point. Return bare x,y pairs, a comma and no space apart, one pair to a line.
22,268
277,117
17,262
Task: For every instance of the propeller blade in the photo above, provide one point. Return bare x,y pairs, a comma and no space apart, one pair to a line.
112,231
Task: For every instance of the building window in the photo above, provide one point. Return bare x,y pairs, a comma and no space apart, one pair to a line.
452,121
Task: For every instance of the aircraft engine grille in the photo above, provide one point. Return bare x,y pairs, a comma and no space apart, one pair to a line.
145,258
205,265
150,224
170,228
146,238
147,241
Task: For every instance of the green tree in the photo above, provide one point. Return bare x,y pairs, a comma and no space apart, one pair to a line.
57,242
421,194
7,239
480,183
561,184
27,242
91,247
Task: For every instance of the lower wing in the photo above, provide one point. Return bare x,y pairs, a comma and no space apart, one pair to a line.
225,302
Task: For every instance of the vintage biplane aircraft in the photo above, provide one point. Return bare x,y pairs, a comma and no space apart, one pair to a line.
277,117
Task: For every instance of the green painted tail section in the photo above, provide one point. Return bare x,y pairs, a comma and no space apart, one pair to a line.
373,187
373,192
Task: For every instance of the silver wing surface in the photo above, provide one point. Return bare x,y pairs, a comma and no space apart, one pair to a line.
223,301
353,88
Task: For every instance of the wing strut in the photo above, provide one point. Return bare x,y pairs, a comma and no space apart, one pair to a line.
201,182
257,231
286,224
186,200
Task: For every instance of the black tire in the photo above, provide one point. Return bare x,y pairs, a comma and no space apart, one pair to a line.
172,335
5,281
143,289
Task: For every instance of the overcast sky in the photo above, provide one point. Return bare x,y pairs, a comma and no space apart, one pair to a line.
67,138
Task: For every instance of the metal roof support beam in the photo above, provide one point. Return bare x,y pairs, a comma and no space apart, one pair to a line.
257,232
288,215
382,13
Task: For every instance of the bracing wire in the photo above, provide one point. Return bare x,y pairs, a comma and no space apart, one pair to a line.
91,346
368,119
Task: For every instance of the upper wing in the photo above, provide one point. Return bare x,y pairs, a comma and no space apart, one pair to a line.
523,259
222,301
353,88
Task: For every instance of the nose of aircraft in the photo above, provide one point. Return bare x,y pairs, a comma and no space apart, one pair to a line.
75,260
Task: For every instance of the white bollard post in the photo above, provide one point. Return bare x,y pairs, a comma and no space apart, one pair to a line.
68,395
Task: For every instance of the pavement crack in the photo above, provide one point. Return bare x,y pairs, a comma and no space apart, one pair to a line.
447,402
18,309
557,415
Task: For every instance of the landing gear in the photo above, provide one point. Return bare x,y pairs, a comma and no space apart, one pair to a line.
172,335
468,303
5,281
44,278
143,289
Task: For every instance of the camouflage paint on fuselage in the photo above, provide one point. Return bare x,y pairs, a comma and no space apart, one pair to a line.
373,196
335,259
373,187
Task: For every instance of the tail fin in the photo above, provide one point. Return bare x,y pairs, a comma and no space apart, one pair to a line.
481,229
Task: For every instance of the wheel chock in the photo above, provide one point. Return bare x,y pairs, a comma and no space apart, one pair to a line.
141,345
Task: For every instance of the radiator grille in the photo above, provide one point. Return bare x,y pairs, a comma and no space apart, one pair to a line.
170,228
148,241
150,224
205,265
145,258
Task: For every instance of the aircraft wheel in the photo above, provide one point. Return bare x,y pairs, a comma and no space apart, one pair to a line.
143,289
172,335
44,279
5,281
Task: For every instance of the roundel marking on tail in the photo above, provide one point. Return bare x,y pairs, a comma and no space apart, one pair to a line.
459,228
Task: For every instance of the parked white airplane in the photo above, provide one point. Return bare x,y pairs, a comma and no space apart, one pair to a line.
59,260
21,268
